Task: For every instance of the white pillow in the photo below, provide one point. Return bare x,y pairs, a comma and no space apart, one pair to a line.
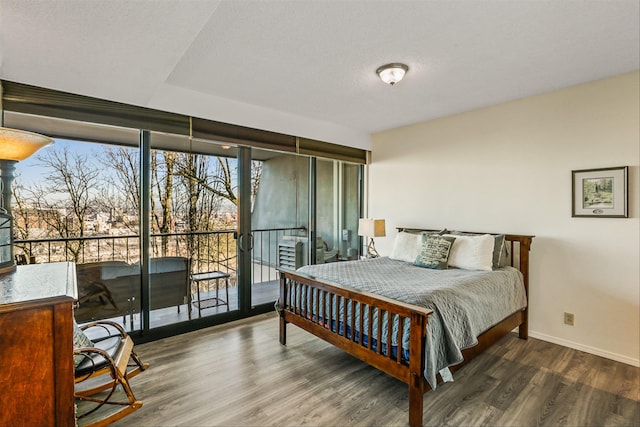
472,252
406,246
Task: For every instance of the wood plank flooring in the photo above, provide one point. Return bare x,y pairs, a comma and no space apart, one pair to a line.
238,374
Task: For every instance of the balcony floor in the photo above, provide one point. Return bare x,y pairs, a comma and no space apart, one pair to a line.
261,293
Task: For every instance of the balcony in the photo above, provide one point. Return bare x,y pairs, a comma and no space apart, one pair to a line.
108,272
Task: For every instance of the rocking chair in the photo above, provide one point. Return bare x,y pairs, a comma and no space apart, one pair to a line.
105,361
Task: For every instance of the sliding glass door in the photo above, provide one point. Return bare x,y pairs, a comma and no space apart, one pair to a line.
338,207
279,219
193,198
78,201
171,233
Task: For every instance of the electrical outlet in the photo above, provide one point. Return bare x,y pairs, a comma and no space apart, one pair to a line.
568,319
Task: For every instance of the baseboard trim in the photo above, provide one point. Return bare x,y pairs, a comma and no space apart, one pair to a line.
586,349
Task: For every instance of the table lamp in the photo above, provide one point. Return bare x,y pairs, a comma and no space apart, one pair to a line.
369,227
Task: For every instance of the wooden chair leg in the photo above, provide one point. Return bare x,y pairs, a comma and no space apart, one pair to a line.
102,390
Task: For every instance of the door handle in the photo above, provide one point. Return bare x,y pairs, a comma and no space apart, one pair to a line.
241,242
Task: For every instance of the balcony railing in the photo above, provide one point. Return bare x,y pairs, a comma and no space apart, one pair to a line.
108,267
206,250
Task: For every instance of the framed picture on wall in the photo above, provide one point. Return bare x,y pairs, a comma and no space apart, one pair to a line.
600,192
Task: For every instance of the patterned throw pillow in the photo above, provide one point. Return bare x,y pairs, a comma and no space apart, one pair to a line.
80,340
407,244
498,245
434,252
505,254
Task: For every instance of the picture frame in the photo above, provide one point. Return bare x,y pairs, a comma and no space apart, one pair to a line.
600,193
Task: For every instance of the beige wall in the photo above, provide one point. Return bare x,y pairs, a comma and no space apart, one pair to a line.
507,168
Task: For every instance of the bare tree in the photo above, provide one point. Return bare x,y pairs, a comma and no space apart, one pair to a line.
256,175
223,182
220,183
124,196
191,170
22,218
66,195
163,165
184,187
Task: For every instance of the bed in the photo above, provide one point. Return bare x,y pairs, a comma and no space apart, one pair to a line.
375,309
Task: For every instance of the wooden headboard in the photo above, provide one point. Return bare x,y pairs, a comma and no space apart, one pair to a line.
519,247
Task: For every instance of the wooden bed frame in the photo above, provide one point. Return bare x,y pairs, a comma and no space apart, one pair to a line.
292,310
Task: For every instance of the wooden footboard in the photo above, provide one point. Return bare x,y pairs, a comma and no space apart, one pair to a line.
340,315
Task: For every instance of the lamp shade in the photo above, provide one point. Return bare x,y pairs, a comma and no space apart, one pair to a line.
370,227
17,144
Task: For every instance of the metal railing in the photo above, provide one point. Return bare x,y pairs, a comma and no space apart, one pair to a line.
206,250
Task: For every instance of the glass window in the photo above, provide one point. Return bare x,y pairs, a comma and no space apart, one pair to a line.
279,219
338,210
79,201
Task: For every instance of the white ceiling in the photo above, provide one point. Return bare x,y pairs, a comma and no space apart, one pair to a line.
307,67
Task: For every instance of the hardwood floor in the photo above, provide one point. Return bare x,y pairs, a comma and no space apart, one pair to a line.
238,374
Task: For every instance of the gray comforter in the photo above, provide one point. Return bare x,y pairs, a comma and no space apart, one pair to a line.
464,303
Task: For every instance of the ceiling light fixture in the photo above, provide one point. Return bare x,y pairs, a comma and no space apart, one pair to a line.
392,73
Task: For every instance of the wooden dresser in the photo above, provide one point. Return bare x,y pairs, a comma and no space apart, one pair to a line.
36,345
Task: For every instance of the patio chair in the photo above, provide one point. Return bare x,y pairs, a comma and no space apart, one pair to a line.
104,364
91,286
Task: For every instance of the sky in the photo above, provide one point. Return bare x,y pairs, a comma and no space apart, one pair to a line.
30,172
